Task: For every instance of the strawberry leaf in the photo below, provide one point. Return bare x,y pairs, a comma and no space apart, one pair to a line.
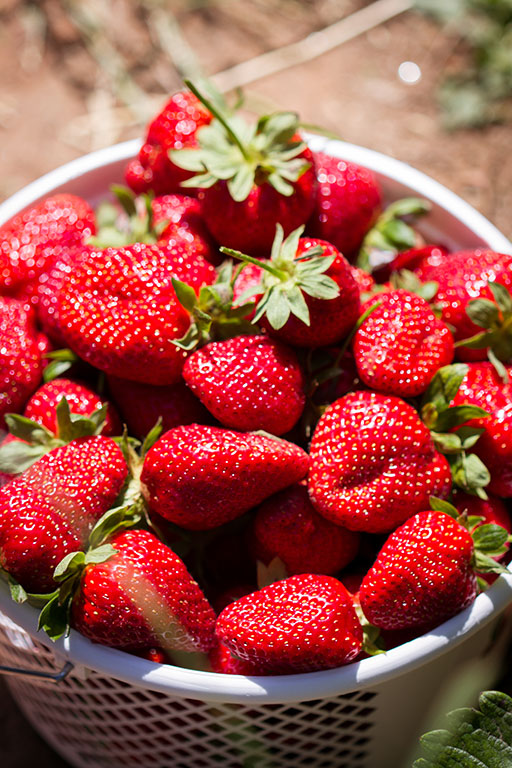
30,431
482,312
16,457
458,415
441,505
54,618
490,539
151,437
72,562
445,385
61,361
100,554
112,521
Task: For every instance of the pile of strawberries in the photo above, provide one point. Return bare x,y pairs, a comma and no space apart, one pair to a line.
257,424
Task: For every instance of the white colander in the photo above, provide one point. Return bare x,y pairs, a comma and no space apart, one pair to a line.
107,709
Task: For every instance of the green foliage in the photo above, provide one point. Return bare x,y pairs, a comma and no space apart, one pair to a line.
480,93
473,737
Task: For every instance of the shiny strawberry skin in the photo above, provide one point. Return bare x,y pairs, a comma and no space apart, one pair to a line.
50,509
118,311
482,386
462,277
223,662
364,280
423,575
248,383
143,596
348,202
302,624
141,405
174,127
82,401
185,224
373,463
37,235
287,526
411,260
401,345
250,226
21,362
200,477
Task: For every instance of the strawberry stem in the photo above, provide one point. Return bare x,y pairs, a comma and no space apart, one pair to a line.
219,116
281,274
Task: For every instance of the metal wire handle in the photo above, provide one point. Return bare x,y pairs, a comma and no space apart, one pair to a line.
54,677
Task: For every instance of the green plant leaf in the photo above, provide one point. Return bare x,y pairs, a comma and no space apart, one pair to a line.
482,312
445,385
17,457
475,738
457,415
54,618
441,505
30,431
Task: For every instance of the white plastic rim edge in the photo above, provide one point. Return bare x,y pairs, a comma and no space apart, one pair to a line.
208,686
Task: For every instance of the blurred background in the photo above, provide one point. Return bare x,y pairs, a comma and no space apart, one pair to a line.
427,81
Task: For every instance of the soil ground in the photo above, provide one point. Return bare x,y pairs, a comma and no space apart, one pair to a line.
57,101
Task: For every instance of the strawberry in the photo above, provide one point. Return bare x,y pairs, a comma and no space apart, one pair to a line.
287,526
182,217
373,463
174,127
49,510
492,509
222,661
483,387
423,575
21,350
401,345
302,624
36,236
250,177
82,401
143,596
463,277
200,477
348,202
117,310
248,383
365,281
307,296
410,259
141,405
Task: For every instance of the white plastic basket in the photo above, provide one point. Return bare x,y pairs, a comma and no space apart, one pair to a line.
112,710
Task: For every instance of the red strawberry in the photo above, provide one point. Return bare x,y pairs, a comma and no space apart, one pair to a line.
365,281
142,596
410,260
33,238
492,510
248,383
222,661
401,345
49,510
82,401
463,277
200,477
185,223
348,202
287,526
302,624
174,127
307,294
483,387
373,463
250,178
117,310
21,349
141,405
423,574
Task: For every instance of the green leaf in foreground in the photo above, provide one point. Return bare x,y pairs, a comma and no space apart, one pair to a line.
474,738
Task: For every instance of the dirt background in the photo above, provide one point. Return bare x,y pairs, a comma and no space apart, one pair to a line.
76,76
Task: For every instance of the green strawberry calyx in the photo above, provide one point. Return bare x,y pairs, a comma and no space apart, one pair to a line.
449,430
286,277
490,540
129,221
61,360
391,233
54,616
213,316
244,154
495,317
34,440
